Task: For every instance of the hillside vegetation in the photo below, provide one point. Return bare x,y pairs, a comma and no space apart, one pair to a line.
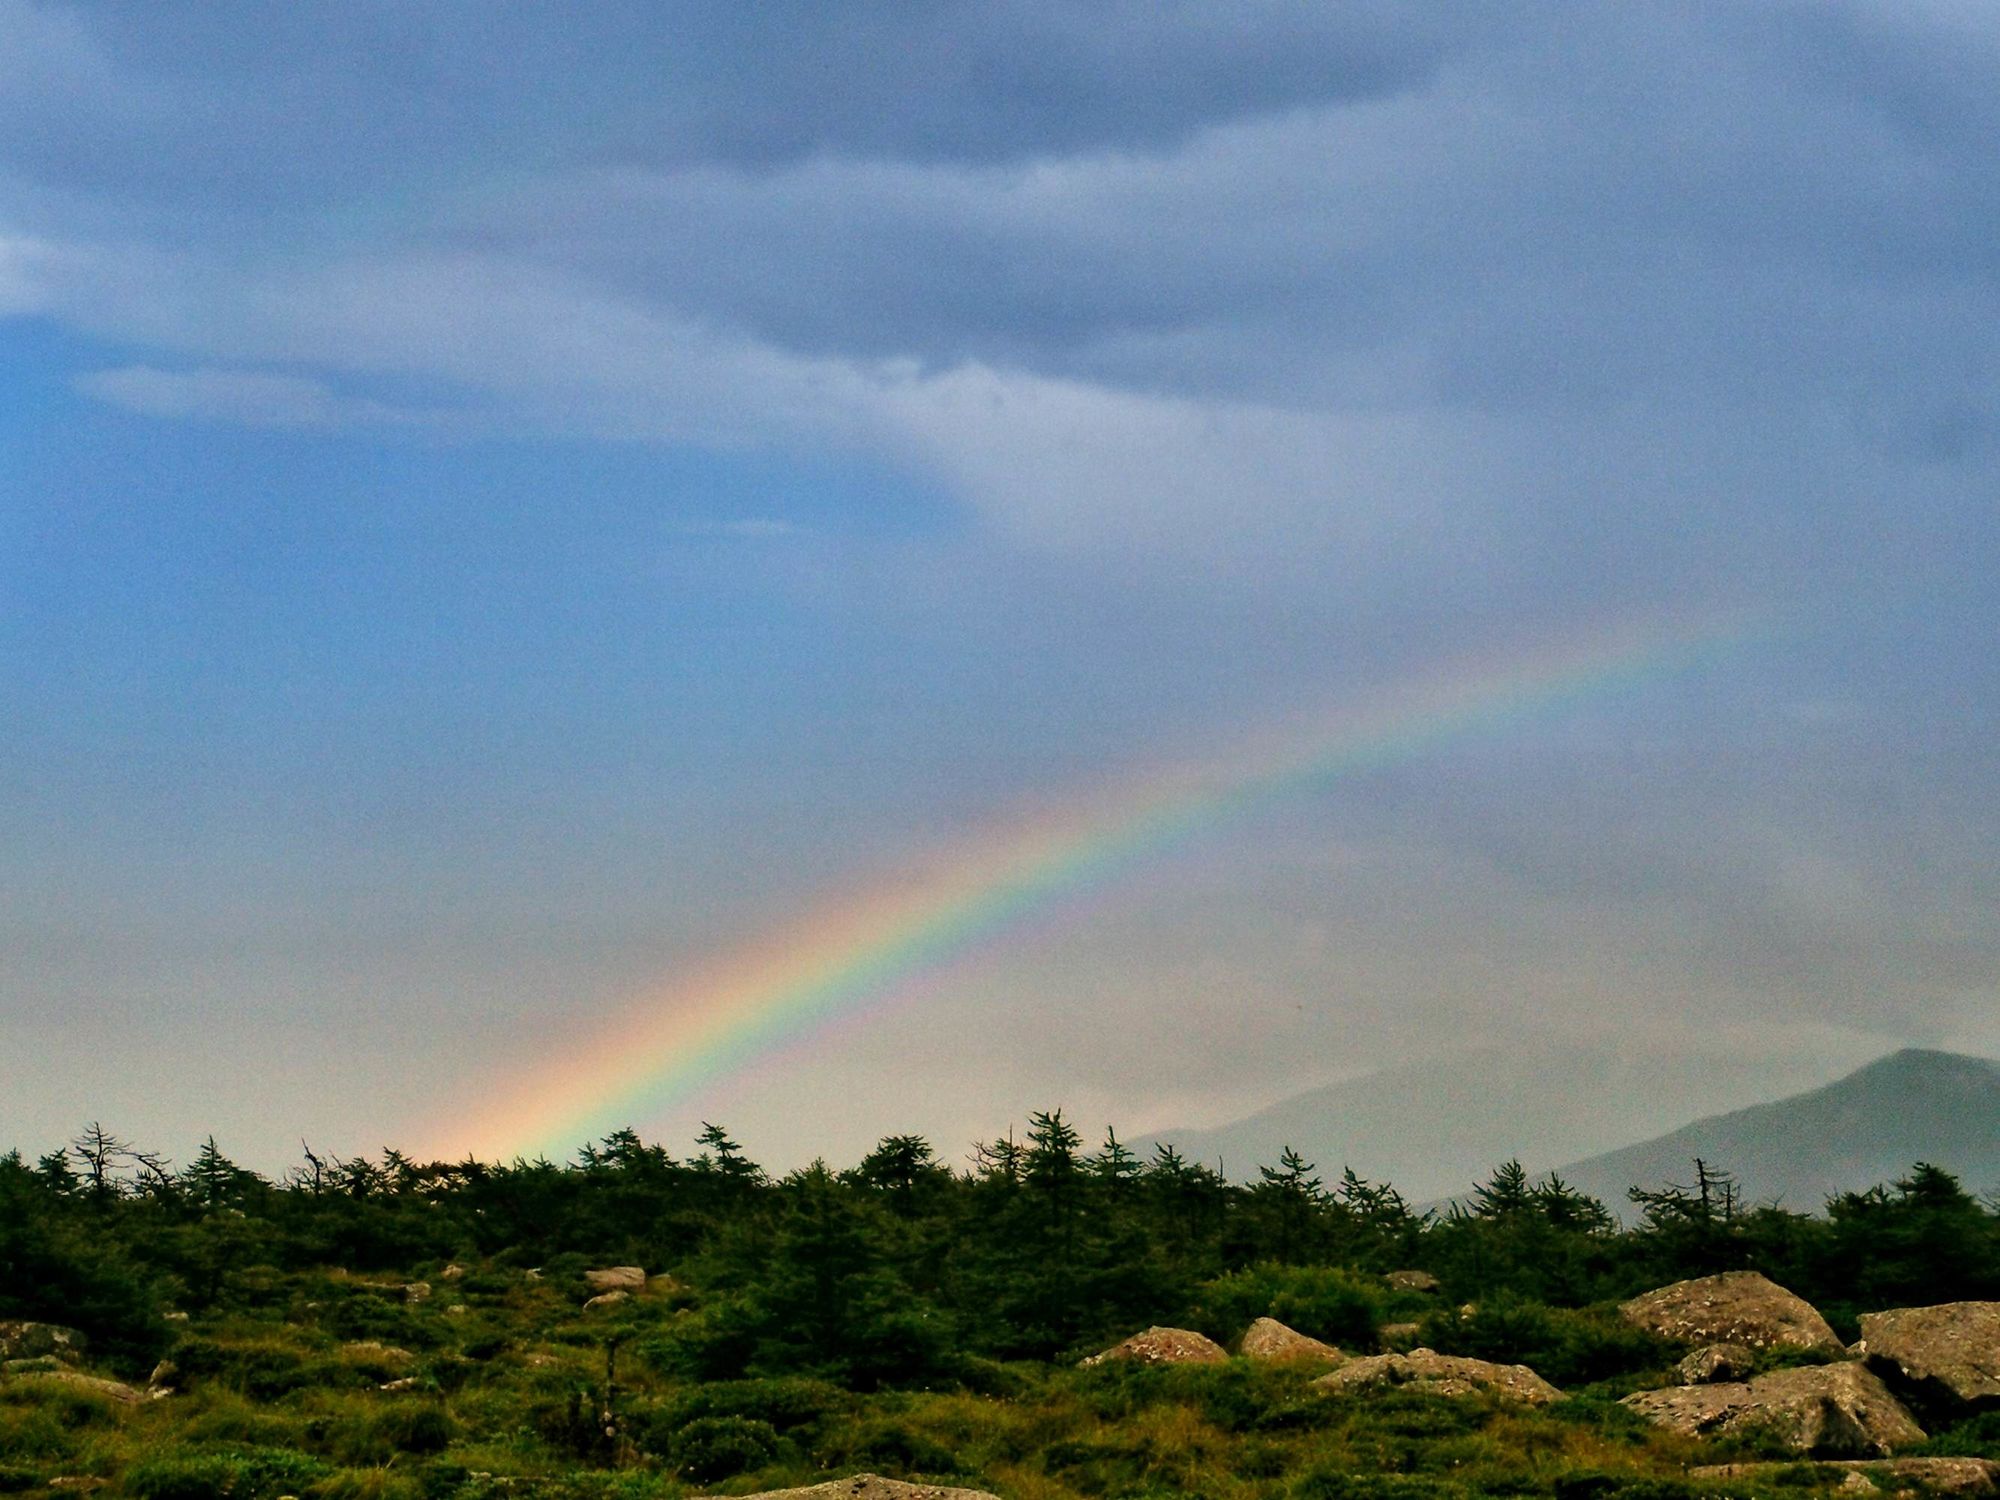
391,1328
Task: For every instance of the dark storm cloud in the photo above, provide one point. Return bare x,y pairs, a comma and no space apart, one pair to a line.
283,104
1239,357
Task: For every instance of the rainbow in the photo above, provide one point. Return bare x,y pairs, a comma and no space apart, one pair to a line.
852,958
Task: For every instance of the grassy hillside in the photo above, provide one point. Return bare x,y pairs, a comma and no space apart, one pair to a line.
401,1330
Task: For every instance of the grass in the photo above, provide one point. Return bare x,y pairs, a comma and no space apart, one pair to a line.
282,1394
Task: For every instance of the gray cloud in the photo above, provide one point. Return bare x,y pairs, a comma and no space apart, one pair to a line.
1261,352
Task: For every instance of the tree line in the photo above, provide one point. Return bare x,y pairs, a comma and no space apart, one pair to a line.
903,1266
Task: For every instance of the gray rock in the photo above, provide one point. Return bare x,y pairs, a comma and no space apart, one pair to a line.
115,1390
1442,1375
616,1279
1737,1307
38,1340
1713,1364
1828,1411
1163,1346
1411,1281
1945,1357
1929,1476
1271,1342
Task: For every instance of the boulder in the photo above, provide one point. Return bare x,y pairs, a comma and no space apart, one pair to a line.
1737,1307
1928,1476
1411,1281
115,1390
867,1487
607,1299
616,1279
1163,1346
1271,1342
40,1340
1829,1411
1944,1358
417,1291
1715,1363
1442,1375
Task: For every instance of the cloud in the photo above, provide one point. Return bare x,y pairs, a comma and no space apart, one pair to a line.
253,398
1494,307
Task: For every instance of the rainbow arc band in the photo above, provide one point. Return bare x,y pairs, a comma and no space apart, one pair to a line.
854,959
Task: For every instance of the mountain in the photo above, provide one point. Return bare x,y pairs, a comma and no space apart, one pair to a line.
1869,1127
1436,1127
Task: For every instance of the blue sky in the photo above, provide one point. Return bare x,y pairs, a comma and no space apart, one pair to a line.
498,507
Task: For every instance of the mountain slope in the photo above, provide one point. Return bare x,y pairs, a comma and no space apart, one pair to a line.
1869,1127
1435,1128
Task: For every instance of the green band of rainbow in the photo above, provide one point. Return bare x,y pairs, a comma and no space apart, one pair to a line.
859,954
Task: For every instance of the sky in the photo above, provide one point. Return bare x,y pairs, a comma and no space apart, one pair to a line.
503,507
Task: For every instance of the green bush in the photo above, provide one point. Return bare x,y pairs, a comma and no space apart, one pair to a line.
33,1432
712,1448
262,1474
59,1274
415,1428
367,1484
1568,1346
1242,1397
786,1404
260,1368
1324,1302
1344,1484
1975,1437
892,1448
1595,1486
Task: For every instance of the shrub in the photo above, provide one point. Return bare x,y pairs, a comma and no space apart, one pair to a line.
1975,1437
1240,1397
895,1449
33,1433
1343,1484
263,1369
261,1474
1594,1486
712,1448
367,1484
1563,1345
415,1428
786,1404
1324,1302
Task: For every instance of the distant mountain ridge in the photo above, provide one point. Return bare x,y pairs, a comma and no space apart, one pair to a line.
1436,1127
1867,1128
